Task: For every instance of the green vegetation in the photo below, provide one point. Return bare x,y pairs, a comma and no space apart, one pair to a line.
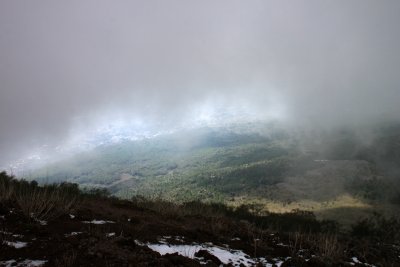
211,167
325,172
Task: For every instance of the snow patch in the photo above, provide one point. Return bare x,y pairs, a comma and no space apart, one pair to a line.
41,222
137,242
16,244
277,262
184,250
17,236
72,234
236,257
13,235
356,260
25,263
226,256
98,222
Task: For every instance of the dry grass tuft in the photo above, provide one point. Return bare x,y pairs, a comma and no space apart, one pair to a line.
41,203
326,245
6,188
67,260
46,203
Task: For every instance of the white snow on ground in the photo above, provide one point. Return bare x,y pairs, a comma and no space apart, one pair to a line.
8,263
226,256
184,250
72,234
277,262
98,222
137,242
41,222
356,260
16,244
9,233
72,216
17,236
25,263
110,234
235,257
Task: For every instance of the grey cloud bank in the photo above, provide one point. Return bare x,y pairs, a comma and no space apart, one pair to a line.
319,62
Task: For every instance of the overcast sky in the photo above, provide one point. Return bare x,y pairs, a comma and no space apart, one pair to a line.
324,62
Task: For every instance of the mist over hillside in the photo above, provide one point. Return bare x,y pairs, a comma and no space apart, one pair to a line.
277,118
266,163
74,67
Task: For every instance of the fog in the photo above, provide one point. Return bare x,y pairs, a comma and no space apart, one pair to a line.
66,66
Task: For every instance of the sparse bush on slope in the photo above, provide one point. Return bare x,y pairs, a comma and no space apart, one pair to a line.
46,203
6,188
378,228
38,202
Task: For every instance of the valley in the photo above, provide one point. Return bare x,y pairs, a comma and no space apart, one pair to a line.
270,168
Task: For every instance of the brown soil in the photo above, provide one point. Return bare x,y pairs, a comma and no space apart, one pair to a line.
133,226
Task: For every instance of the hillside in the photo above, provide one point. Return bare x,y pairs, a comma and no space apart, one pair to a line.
61,226
280,170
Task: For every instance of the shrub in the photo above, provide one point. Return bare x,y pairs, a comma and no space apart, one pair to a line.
67,260
158,205
296,220
377,227
45,203
97,192
326,245
38,202
6,188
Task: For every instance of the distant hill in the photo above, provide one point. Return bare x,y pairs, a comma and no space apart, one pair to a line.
277,168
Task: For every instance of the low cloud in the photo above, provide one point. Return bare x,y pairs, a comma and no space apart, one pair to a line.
316,62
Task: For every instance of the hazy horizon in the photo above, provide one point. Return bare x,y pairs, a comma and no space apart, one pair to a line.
68,68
